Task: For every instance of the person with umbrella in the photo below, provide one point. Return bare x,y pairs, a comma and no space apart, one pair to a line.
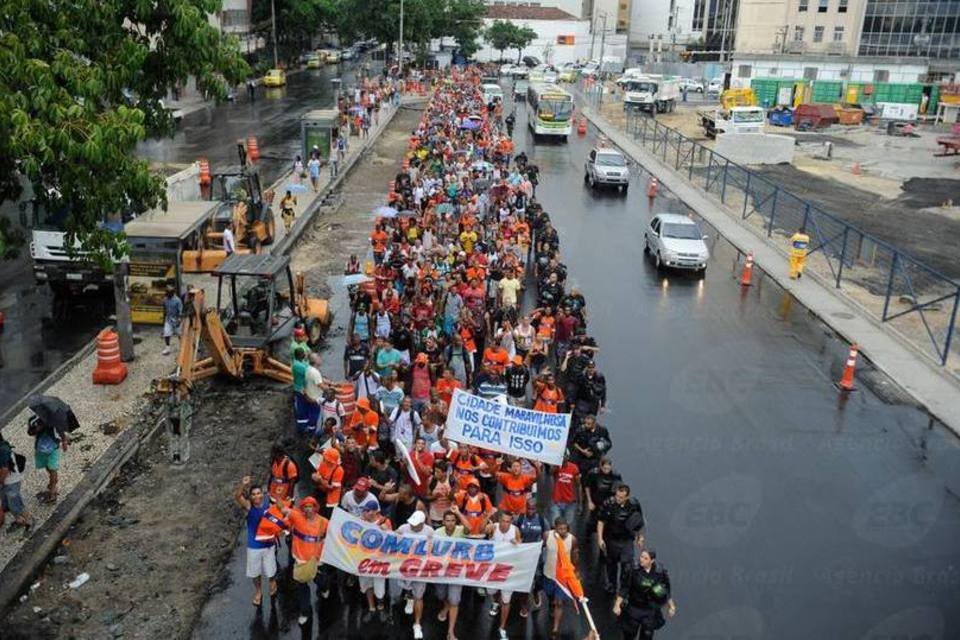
52,420
11,479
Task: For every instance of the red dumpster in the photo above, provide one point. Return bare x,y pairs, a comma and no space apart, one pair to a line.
814,116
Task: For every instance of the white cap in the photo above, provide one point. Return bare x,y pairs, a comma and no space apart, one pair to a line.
417,518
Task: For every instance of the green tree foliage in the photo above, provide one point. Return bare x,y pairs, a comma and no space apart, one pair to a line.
423,21
81,83
502,35
298,21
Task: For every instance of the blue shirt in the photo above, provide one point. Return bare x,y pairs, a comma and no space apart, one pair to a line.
172,308
253,521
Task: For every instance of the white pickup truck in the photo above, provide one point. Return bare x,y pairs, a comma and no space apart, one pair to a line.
733,120
653,93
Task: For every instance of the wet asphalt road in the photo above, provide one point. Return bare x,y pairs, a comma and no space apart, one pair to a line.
33,342
781,509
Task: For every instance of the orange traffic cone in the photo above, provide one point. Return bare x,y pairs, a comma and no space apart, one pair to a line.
109,370
253,149
846,382
746,277
582,127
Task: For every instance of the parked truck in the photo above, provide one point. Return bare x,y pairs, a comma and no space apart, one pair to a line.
653,93
738,113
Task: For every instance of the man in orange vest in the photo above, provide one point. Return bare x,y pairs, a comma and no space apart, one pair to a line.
283,473
261,556
328,480
307,530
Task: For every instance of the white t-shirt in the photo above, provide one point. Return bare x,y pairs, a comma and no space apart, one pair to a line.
314,382
229,244
511,534
406,530
13,476
508,291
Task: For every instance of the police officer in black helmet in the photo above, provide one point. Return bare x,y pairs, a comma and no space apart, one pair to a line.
643,595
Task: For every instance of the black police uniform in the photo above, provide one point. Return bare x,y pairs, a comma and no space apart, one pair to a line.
644,593
618,535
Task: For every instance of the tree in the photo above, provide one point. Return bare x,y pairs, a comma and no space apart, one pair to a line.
501,35
82,84
298,21
522,37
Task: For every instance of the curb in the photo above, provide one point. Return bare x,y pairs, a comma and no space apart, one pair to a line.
42,542
655,166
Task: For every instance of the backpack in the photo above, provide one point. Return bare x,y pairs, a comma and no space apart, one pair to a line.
16,463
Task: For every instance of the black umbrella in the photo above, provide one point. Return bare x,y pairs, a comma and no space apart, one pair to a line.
54,412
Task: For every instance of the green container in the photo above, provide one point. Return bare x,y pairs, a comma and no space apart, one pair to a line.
828,91
906,93
765,90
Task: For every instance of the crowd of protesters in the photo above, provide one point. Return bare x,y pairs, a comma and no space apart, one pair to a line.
465,289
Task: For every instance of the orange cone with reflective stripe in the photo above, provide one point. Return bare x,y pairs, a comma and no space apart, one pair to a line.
746,278
582,127
846,382
110,369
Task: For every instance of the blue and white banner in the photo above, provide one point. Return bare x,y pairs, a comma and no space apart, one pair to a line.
512,430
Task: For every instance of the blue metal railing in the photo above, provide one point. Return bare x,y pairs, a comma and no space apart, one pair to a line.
920,300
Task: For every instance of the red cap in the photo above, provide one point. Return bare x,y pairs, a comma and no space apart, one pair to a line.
309,501
362,484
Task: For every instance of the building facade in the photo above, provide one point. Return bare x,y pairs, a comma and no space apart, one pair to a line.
671,22
830,27
561,37
576,8
911,28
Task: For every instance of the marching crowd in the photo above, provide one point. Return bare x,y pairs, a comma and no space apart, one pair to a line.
465,290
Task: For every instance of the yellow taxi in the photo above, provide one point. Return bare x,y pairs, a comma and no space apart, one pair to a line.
333,57
313,62
275,78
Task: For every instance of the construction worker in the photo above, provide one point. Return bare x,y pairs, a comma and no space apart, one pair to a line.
798,252
652,187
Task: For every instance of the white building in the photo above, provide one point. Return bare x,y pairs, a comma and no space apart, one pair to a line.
561,37
671,22
234,19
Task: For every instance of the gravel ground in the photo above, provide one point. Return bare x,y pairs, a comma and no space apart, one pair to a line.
156,541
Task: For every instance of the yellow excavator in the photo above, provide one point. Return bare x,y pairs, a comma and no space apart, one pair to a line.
259,302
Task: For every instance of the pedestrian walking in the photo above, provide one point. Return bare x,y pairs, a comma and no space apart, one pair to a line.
313,166
12,468
49,442
619,525
287,212
172,313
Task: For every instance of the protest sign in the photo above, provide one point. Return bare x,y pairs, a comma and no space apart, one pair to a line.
364,549
513,430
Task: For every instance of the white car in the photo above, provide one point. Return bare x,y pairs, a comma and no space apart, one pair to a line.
715,88
675,241
491,92
691,85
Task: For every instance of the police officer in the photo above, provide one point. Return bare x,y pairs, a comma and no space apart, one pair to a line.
619,525
510,120
643,594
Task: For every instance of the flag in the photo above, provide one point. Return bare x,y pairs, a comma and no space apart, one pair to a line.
566,573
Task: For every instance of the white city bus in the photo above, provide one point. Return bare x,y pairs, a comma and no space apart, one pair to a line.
549,110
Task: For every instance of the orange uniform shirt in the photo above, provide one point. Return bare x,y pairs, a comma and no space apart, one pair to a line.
446,387
334,477
379,239
474,509
548,400
307,535
363,427
515,491
283,479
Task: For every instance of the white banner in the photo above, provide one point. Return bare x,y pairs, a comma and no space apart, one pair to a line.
364,549
512,430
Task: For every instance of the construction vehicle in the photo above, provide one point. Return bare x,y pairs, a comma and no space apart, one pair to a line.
738,113
652,92
243,203
259,303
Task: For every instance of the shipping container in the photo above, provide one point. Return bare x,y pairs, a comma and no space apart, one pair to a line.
827,91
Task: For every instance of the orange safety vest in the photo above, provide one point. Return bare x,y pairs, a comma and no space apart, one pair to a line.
474,509
282,479
307,536
271,524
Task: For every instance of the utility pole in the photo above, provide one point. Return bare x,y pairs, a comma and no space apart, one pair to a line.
400,44
273,28
603,41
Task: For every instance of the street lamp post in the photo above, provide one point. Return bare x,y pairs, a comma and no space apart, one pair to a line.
400,44
603,41
273,29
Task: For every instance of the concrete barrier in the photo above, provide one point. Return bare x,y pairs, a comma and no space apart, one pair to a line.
755,148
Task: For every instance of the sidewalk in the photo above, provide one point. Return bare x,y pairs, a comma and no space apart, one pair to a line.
116,419
932,386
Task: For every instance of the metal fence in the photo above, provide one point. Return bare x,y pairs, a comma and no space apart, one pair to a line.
916,299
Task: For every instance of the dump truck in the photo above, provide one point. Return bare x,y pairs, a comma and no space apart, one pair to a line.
653,93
